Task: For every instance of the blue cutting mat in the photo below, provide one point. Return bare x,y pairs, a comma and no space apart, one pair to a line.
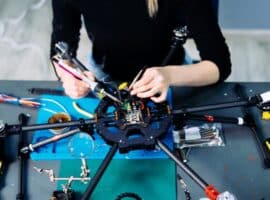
60,150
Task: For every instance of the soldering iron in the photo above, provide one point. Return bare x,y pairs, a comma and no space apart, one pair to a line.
77,70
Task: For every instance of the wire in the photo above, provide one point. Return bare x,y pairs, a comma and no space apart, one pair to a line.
56,103
81,111
28,102
49,110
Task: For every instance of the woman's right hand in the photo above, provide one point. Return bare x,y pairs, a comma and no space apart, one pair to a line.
73,87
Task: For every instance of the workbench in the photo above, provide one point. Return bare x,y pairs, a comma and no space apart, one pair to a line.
237,167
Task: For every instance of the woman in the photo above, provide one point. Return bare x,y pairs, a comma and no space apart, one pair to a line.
127,35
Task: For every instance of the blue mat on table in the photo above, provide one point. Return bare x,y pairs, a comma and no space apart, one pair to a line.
147,173
151,179
60,150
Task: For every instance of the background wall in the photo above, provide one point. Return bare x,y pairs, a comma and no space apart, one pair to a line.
244,14
25,28
24,39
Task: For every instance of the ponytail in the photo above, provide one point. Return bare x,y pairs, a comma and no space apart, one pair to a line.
152,6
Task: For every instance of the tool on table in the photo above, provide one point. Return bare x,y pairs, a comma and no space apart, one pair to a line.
40,91
27,102
198,136
151,121
33,147
84,175
67,192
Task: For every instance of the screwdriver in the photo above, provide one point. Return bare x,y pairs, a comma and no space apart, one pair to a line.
78,74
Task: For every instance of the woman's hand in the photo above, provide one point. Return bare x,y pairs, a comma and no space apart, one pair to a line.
156,80
154,84
73,87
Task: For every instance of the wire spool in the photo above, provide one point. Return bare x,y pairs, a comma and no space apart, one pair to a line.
59,118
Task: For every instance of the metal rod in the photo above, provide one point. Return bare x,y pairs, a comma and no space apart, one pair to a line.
187,169
23,119
211,118
212,107
16,128
94,181
55,138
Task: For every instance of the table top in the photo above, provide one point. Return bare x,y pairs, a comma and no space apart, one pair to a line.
237,167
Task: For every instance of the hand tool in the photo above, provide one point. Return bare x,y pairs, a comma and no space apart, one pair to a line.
77,73
137,77
63,53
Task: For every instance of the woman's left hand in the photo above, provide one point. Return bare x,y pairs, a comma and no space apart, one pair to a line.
154,84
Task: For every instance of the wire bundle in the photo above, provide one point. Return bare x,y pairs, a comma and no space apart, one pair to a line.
27,102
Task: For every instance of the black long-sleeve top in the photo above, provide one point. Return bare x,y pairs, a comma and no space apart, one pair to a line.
125,38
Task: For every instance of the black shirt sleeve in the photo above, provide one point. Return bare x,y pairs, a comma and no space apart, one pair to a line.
66,25
203,26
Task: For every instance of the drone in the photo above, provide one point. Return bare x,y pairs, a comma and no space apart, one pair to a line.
140,124
130,123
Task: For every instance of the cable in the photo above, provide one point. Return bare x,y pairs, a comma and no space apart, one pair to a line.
56,103
81,111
